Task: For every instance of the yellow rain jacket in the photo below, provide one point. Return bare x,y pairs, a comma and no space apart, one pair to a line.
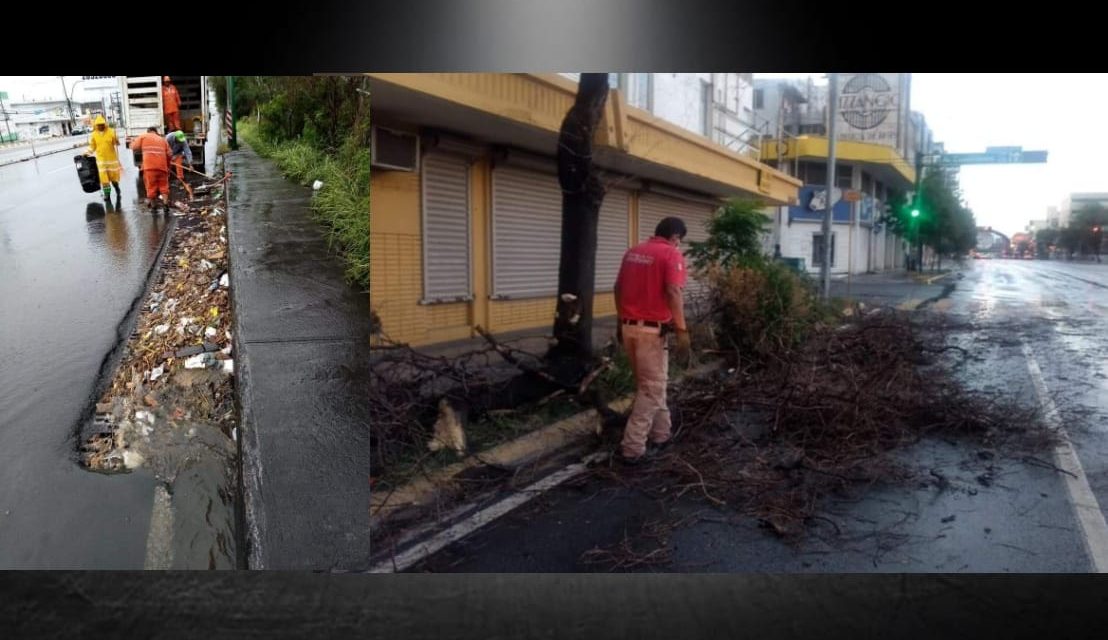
103,144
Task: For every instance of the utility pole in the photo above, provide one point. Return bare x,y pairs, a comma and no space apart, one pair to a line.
68,103
917,201
4,110
832,110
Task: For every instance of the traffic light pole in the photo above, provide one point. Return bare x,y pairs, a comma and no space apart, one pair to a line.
916,209
825,267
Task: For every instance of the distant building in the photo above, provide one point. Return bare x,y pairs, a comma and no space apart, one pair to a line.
1035,226
877,135
48,118
1077,201
991,241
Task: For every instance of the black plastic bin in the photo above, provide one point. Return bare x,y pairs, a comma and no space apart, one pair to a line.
88,173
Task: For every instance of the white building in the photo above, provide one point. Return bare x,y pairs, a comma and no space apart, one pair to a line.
1075,202
877,136
718,106
47,118
1038,225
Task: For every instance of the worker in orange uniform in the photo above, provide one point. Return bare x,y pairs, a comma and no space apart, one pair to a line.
171,105
102,143
155,166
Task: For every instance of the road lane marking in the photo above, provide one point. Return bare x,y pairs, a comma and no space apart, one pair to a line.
1089,515
436,543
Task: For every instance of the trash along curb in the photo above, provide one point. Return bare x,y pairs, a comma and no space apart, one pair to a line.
538,444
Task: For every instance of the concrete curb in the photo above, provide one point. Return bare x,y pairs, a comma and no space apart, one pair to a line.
932,279
528,448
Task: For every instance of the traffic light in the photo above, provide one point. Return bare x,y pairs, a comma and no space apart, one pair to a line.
915,213
1096,229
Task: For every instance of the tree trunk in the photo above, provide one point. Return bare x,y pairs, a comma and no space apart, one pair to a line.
582,194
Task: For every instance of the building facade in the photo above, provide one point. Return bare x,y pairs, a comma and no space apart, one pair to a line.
47,118
1074,202
877,137
465,205
991,241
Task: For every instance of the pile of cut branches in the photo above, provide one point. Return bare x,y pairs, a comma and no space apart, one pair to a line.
771,438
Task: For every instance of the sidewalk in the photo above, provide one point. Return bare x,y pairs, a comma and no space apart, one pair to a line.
893,288
302,354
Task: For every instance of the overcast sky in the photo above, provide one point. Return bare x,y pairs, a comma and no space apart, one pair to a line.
44,88
1057,112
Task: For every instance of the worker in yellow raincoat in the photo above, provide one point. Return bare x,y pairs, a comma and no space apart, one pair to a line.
103,143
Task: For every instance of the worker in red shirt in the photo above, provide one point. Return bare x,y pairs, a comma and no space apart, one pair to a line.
650,299
155,166
171,105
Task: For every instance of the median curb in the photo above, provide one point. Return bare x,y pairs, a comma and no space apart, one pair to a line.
541,443
932,279
43,155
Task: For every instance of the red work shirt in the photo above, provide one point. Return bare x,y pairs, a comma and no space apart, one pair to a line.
643,276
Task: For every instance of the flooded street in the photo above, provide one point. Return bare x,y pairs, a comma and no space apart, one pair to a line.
74,272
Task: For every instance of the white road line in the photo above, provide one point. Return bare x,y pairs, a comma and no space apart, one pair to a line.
409,557
159,550
1093,527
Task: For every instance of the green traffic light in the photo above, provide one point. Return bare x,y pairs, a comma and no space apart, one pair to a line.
915,213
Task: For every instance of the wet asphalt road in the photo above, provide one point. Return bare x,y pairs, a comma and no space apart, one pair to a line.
1023,521
48,147
71,271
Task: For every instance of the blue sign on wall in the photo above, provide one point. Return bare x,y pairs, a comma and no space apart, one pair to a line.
812,206
865,209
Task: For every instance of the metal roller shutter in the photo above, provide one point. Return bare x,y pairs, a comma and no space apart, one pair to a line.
611,238
446,243
527,231
653,208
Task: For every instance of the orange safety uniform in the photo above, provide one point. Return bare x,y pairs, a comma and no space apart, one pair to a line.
155,163
171,105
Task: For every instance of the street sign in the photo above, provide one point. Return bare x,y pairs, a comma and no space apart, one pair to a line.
851,195
994,155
